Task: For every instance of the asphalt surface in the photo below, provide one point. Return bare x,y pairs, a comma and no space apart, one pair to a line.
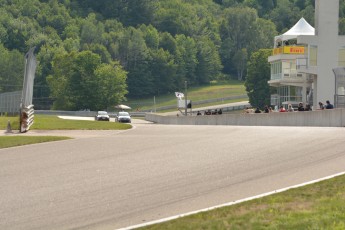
110,180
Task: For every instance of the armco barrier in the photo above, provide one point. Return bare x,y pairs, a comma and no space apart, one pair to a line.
320,118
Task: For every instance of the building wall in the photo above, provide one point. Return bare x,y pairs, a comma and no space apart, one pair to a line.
326,30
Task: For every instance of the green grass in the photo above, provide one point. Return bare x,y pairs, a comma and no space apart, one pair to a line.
215,90
12,141
14,121
316,206
49,122
195,107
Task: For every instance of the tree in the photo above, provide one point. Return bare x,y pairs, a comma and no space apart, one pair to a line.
284,15
81,81
151,36
309,14
186,59
258,75
41,94
342,26
265,32
163,71
209,63
12,70
61,69
91,30
135,56
167,42
238,31
240,62
111,80
140,12
190,18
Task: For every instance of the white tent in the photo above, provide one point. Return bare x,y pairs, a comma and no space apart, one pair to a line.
122,107
302,27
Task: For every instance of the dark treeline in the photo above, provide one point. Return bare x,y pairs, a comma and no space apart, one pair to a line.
105,50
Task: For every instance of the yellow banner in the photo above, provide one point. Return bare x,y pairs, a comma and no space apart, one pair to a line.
289,50
277,51
293,50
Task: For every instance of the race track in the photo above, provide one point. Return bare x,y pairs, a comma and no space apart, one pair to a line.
153,171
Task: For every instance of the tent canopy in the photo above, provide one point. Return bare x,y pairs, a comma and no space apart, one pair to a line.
302,27
122,107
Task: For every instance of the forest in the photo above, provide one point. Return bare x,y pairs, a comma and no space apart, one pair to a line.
95,54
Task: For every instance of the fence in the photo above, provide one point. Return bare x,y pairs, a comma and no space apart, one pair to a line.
10,102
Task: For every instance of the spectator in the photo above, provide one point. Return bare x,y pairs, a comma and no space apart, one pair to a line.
208,112
300,107
257,110
282,109
321,105
290,108
220,112
307,107
266,109
198,114
329,105
248,110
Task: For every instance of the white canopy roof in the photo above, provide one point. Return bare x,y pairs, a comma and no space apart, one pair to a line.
302,27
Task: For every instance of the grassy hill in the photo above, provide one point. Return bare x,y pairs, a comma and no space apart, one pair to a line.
216,93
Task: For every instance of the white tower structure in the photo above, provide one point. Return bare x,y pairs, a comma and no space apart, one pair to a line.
312,56
328,46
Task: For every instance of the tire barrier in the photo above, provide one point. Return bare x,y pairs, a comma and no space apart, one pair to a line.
26,118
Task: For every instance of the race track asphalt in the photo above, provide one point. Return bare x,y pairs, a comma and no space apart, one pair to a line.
114,179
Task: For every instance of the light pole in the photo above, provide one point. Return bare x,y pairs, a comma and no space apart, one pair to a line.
154,104
185,97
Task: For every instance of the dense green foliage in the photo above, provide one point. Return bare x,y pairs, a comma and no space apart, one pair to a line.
258,74
152,45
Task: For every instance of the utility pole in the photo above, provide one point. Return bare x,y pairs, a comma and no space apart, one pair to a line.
185,97
154,104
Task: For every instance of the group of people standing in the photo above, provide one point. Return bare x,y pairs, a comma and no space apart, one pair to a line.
300,108
327,106
211,112
290,108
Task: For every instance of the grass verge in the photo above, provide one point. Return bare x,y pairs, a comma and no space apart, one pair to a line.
213,91
12,141
315,206
48,122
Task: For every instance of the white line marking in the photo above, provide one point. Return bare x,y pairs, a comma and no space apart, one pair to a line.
230,203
